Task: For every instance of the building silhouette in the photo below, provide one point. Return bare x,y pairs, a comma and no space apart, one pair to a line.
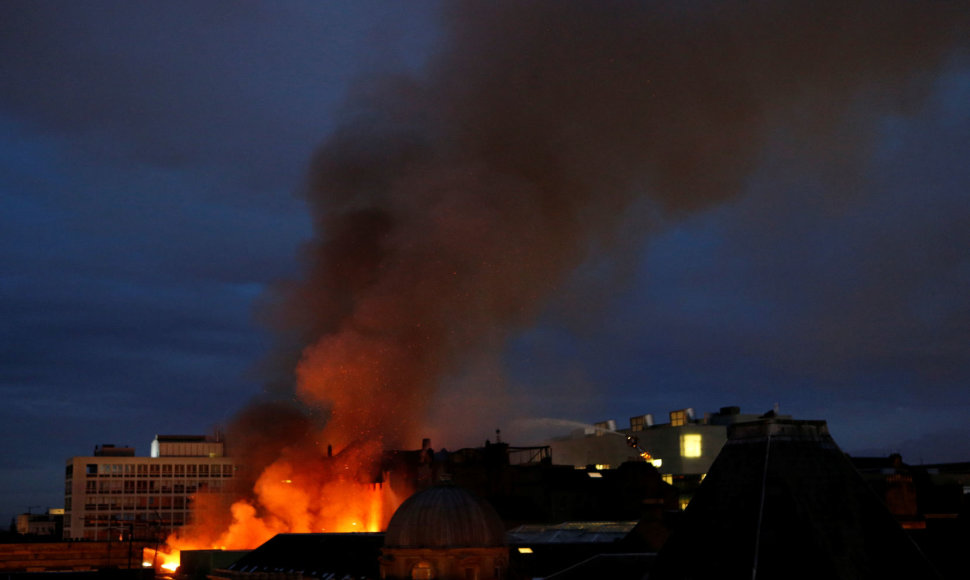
681,450
783,502
445,533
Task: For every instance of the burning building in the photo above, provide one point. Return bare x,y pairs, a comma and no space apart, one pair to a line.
452,207
780,501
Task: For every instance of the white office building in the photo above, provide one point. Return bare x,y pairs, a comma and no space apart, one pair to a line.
116,495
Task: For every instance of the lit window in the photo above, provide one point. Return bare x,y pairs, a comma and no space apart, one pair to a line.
636,423
668,478
678,418
690,445
657,462
525,550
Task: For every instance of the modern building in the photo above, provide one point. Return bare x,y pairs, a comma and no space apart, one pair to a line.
681,450
114,494
74,560
524,486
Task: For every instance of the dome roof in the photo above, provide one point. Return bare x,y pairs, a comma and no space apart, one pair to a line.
444,516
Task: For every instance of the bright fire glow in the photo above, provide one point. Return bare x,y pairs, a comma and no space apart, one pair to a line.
298,495
164,560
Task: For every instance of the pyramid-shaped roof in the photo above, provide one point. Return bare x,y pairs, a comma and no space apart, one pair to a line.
781,501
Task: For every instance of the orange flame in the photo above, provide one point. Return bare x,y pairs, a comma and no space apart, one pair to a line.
294,495
161,559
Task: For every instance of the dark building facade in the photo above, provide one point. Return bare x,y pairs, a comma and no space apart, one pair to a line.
783,502
445,533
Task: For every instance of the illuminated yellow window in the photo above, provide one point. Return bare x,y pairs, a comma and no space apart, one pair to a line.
690,445
678,418
668,478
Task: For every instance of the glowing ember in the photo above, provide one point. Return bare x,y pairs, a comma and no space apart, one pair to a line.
160,559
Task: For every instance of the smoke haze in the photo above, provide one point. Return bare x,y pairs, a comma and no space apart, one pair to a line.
450,207
782,184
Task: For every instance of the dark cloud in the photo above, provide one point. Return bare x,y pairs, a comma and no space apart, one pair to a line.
797,170
150,160
237,89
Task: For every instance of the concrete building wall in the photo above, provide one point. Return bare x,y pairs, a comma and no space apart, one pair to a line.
186,446
685,450
65,557
685,446
147,497
607,449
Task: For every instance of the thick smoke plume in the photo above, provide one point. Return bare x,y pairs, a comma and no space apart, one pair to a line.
450,206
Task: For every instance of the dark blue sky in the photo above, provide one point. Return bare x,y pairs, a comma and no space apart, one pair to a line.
153,160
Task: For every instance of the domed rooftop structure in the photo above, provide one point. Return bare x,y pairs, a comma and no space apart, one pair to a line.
445,516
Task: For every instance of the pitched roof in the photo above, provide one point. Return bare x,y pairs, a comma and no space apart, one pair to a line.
612,566
782,501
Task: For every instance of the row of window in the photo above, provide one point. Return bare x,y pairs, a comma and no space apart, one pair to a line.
128,487
122,520
139,503
155,470
142,533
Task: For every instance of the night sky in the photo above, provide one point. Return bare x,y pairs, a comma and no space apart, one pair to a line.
792,229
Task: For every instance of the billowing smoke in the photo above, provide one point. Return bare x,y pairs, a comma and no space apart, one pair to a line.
450,206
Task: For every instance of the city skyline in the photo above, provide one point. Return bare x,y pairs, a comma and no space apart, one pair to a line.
154,199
